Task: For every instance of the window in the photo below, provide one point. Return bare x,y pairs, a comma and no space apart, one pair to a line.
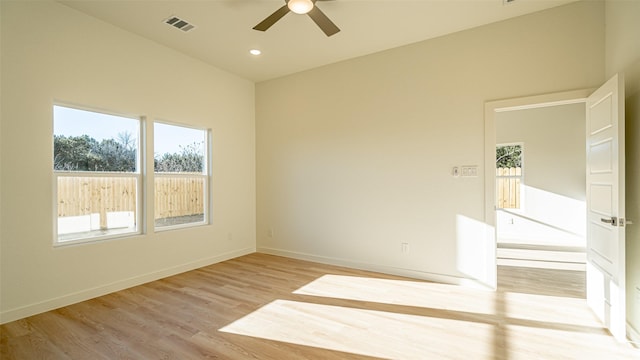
96,166
181,176
509,175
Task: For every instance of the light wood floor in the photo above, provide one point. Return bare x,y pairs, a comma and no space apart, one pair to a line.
267,307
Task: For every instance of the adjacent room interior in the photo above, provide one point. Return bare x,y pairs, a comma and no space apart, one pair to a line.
345,199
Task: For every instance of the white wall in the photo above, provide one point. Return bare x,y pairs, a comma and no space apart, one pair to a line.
1,192
354,158
553,188
53,53
622,45
633,212
623,55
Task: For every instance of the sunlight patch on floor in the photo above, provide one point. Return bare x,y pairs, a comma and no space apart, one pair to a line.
401,292
562,343
364,332
517,306
550,309
393,319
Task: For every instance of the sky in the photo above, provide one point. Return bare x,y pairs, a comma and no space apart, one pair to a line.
73,122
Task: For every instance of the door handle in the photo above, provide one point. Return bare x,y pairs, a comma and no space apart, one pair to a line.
613,221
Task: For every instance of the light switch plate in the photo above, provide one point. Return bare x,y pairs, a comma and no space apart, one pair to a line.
470,171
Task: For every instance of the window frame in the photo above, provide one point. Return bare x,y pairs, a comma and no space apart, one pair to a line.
521,197
138,175
206,176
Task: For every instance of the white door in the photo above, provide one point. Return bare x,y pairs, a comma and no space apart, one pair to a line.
606,206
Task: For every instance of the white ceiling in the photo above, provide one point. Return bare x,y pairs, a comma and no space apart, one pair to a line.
223,35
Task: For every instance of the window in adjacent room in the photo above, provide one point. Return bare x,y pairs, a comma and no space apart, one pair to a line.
509,175
96,169
181,176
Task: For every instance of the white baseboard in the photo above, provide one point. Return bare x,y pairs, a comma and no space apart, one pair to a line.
439,278
55,303
633,335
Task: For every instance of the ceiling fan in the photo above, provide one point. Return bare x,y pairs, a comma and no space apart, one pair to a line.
300,7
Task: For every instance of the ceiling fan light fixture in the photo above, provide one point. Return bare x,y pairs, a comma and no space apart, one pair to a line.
307,7
300,6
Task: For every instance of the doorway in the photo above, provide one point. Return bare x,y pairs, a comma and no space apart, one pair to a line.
541,204
605,200
542,115
551,234
541,198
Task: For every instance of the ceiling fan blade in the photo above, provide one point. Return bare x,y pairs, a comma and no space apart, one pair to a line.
272,19
323,21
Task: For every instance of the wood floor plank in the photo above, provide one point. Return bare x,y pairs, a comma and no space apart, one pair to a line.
267,307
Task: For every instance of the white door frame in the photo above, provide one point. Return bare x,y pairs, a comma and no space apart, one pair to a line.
490,110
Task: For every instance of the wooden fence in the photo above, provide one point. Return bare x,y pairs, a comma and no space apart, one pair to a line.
178,196
508,187
174,196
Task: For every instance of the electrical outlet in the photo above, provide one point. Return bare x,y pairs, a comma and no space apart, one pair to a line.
405,247
270,232
230,236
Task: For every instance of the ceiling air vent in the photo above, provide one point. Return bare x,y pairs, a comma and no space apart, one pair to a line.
180,24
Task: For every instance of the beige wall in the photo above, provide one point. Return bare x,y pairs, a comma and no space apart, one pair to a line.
52,53
355,158
633,212
1,126
623,55
553,204
622,44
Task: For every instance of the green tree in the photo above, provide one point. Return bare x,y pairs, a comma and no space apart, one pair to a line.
190,159
84,153
71,153
509,156
111,155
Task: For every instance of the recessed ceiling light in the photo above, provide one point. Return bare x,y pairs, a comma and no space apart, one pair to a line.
255,52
